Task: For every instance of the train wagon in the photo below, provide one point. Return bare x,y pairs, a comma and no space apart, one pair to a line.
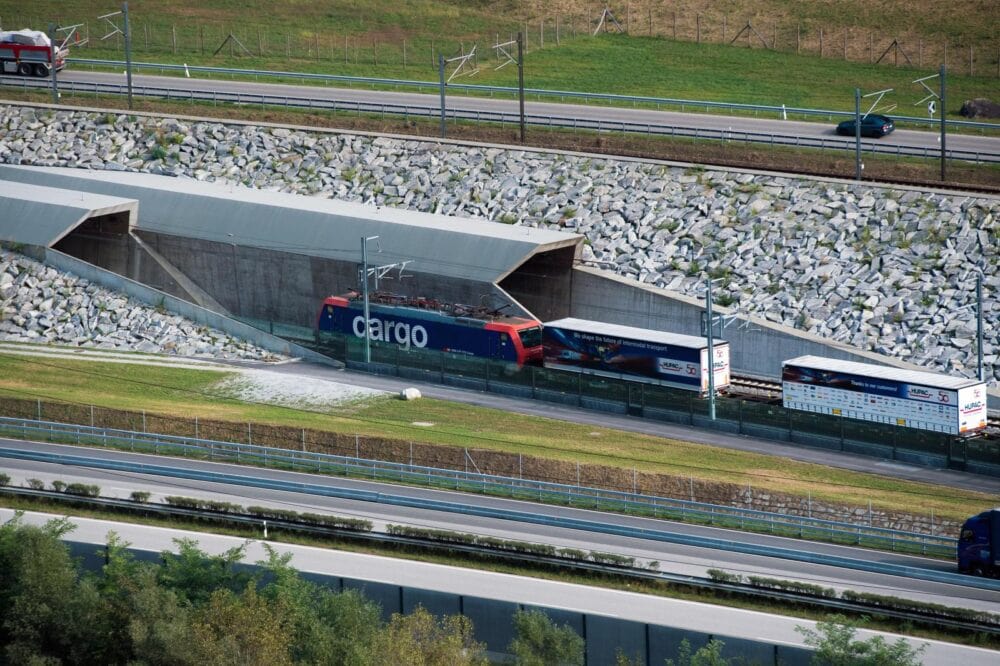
421,323
910,398
626,352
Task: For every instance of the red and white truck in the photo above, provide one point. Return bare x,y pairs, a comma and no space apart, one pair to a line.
30,53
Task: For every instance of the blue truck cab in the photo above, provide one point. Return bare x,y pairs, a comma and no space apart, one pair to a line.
979,544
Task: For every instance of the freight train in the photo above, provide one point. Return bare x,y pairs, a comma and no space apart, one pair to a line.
424,323
576,345
881,394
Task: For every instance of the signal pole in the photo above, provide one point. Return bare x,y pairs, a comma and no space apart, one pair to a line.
364,294
520,78
443,112
128,53
54,54
711,351
944,113
979,321
857,134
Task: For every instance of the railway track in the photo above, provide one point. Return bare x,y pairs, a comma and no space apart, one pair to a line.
755,387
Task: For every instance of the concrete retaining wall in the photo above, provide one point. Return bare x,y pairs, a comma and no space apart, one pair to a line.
757,347
195,313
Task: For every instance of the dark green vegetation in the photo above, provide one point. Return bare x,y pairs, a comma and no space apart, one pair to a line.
195,608
835,644
499,562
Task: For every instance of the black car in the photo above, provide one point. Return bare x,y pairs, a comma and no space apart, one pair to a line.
872,125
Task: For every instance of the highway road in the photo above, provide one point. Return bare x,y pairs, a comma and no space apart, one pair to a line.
630,606
928,140
693,616
674,558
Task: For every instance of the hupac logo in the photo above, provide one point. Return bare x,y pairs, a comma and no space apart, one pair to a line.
397,332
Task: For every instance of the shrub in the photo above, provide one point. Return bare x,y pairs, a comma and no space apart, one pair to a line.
720,576
140,496
835,643
612,558
83,490
203,505
58,486
792,586
35,484
539,641
4,479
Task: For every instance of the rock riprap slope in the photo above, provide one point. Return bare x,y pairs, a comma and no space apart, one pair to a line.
880,268
42,305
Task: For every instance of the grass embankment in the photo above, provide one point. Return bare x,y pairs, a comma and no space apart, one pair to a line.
186,394
309,36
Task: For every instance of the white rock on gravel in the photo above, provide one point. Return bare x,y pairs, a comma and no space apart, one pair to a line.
42,305
779,243
274,388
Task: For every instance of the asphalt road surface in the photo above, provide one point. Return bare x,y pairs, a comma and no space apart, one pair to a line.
674,558
901,137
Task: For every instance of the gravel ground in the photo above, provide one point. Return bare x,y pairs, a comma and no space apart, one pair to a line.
274,388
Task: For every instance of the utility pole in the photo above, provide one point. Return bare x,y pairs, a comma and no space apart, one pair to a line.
128,43
944,112
979,323
520,78
857,134
441,73
54,54
711,350
128,53
364,294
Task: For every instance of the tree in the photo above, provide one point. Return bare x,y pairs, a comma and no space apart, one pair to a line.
709,654
194,574
326,627
834,640
420,639
240,630
539,642
38,582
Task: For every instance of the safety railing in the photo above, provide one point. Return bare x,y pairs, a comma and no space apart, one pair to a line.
504,118
609,98
577,496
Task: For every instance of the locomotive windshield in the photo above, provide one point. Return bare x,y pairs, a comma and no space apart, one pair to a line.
531,337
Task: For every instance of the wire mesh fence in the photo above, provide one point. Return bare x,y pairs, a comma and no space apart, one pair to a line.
857,532
973,56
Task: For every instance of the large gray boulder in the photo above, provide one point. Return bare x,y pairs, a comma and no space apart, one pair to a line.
980,108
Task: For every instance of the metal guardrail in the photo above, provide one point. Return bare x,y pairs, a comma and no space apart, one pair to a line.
615,100
941,618
634,572
247,480
503,118
526,489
